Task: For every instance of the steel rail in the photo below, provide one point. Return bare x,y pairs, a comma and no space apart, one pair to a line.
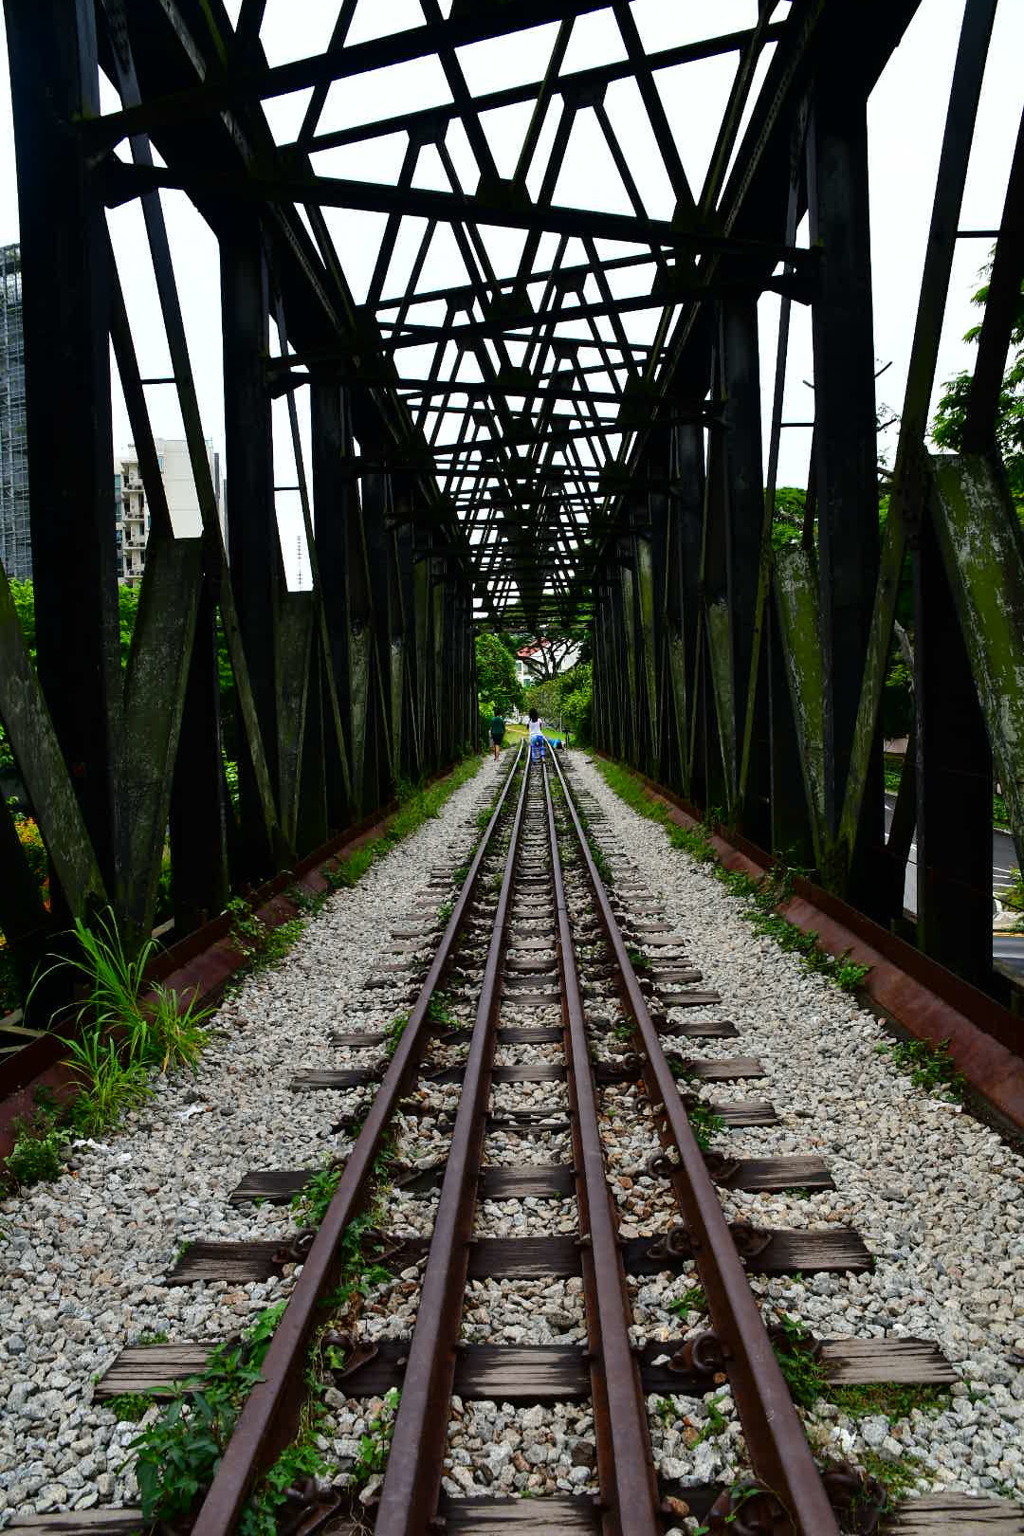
412,1482
629,1488
779,1453
270,1417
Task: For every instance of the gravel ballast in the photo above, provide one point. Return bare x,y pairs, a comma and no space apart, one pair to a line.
935,1194
84,1259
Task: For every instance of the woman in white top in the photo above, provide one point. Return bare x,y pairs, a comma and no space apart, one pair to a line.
536,737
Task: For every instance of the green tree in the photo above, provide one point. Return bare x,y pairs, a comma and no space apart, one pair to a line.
23,595
951,414
565,701
788,522
498,687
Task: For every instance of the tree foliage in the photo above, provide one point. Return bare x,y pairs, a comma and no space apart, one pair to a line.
788,521
498,687
552,647
951,414
23,596
564,702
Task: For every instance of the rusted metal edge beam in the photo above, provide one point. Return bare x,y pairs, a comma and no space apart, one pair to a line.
269,1419
625,1463
199,965
412,1482
779,1452
985,1039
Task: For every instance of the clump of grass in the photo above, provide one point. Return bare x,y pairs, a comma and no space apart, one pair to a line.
930,1067
804,1376
705,1124
311,1202
440,1011
259,944
130,1407
35,1157
122,1030
717,1422
763,896
375,1444
894,1400
693,1299
394,1032
899,1478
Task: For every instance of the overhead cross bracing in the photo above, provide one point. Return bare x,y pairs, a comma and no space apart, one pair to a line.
514,387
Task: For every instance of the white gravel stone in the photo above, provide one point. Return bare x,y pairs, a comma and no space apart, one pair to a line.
935,1194
84,1259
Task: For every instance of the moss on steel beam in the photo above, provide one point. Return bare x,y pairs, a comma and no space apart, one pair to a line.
796,598
983,552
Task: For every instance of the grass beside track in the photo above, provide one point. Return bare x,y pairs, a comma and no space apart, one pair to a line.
114,1072
762,898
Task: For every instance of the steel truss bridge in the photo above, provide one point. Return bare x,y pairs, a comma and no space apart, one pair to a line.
567,426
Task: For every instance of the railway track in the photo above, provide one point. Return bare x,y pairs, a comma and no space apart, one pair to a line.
555,1006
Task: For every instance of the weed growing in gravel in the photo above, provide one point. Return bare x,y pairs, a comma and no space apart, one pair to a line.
803,1375
260,944
35,1157
176,1456
704,1124
931,1067
311,1202
375,1444
439,1011
297,1462
394,1032
111,1082
892,1399
692,1300
739,1495
717,1422
130,1407
445,911
152,1338
898,1478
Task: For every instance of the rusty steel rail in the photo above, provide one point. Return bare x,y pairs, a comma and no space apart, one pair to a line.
269,1420
629,1491
779,1453
412,1482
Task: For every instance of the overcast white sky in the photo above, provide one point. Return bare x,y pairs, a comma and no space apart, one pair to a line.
906,121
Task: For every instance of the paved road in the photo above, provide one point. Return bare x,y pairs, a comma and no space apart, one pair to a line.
1007,948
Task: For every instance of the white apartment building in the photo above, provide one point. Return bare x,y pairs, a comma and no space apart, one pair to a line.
132,510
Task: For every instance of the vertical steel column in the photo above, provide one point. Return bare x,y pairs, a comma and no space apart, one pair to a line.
253,543
683,577
198,828
845,448
66,286
791,836
744,503
331,436
379,561
715,736
954,782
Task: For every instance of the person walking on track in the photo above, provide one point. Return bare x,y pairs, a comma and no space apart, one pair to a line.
497,731
537,748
